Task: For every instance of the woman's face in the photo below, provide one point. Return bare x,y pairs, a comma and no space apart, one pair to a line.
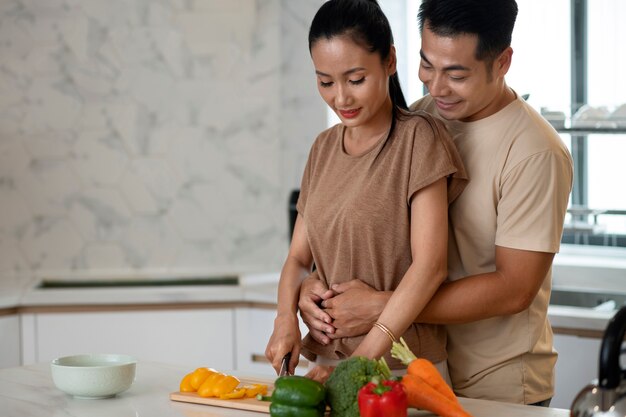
353,81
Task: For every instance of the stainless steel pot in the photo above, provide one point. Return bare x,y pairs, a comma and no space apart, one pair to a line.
607,396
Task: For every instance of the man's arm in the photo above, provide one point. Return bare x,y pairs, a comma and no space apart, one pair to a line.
510,289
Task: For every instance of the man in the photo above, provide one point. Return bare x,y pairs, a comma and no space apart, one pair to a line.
505,227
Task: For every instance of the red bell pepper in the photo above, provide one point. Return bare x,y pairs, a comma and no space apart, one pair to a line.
383,399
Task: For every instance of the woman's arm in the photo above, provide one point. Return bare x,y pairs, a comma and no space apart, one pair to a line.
429,248
286,335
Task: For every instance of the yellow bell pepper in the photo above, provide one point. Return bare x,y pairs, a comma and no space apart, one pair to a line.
208,382
225,385
256,389
199,376
236,394
185,384
206,389
218,384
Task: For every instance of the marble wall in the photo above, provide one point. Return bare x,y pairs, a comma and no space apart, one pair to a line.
142,137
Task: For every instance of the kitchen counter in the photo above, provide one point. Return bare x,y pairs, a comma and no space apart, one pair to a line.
244,313
251,289
569,320
29,392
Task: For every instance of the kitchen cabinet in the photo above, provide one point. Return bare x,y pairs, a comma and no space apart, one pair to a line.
576,366
229,338
190,337
254,328
9,341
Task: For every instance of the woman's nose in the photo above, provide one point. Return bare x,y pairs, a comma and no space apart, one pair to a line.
342,97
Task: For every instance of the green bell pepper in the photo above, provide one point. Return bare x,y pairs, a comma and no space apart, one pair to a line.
285,410
297,396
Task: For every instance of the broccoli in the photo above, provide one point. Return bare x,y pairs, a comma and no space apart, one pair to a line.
344,383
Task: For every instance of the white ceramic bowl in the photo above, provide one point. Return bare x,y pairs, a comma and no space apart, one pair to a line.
95,375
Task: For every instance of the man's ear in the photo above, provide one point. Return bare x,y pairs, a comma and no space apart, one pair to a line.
503,62
391,65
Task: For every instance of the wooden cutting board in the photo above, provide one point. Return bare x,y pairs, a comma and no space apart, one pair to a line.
249,404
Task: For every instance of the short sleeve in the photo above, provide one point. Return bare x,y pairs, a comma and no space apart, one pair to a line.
309,172
533,202
434,157
304,185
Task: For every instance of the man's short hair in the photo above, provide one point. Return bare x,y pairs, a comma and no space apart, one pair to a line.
491,20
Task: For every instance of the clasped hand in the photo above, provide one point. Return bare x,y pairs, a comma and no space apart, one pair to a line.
345,310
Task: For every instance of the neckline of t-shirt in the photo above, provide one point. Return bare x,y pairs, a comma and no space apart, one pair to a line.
375,146
487,122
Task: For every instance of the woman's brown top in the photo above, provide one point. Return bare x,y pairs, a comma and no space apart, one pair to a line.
357,213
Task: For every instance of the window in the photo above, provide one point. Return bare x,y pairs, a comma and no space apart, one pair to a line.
561,70
606,90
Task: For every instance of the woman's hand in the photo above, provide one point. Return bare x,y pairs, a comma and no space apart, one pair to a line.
351,316
320,373
285,338
312,293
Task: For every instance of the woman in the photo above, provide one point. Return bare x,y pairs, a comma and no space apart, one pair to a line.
374,195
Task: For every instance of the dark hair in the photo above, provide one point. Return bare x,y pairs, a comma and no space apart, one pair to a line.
367,25
491,20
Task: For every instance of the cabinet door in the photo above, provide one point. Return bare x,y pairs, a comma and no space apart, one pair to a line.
253,330
576,367
9,341
188,337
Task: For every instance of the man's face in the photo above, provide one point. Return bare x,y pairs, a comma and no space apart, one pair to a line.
461,85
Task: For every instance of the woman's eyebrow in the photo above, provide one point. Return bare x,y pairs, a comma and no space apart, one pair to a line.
348,72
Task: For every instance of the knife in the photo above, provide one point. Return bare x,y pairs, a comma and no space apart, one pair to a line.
284,365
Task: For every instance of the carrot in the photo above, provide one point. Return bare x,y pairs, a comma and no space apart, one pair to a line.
423,396
422,368
427,371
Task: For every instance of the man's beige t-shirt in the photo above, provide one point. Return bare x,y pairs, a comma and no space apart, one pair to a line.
520,179
357,214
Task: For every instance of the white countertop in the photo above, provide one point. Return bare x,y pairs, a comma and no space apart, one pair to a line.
254,288
259,288
29,392
592,268
578,318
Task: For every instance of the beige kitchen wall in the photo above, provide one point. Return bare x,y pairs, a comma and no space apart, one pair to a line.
146,136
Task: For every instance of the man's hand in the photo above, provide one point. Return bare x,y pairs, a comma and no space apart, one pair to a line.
351,315
313,292
320,373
